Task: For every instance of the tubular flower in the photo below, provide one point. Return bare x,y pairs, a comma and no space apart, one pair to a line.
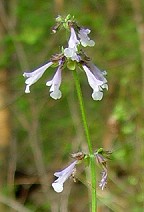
71,51
84,38
35,76
96,80
55,83
63,176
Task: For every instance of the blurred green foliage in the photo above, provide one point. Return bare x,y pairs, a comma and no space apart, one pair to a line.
116,123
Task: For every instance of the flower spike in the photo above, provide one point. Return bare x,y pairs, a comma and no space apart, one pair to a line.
72,55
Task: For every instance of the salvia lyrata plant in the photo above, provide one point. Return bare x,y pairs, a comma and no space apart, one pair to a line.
73,57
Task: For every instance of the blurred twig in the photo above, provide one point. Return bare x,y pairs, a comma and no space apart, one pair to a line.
13,204
139,21
59,6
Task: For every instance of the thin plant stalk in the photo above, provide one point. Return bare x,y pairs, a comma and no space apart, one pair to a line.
86,129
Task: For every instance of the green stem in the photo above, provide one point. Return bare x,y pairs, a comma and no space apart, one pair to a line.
92,159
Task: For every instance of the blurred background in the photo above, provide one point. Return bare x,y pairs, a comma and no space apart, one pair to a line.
38,134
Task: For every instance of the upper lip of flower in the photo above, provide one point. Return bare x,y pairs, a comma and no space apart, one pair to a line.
99,75
73,41
71,51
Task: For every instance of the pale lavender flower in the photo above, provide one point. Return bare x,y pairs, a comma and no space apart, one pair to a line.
103,181
35,76
55,83
84,38
63,176
96,80
71,51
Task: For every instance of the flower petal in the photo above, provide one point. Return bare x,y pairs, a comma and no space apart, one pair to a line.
71,51
55,84
96,80
27,89
99,75
73,41
93,82
84,39
35,76
97,95
57,187
63,176
56,94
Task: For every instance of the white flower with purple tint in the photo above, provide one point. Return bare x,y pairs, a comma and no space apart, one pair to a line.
71,51
96,80
84,38
35,76
62,177
55,83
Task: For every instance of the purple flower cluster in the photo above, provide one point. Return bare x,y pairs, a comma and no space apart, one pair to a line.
96,78
63,175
